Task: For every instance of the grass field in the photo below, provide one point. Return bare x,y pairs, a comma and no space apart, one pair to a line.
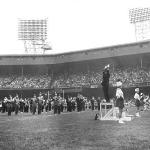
75,131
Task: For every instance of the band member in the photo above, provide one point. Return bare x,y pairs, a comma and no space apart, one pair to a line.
120,99
142,96
105,83
30,103
83,103
59,104
9,105
55,103
34,104
40,103
16,101
49,104
98,102
12,105
21,105
137,101
26,106
92,102
46,105
69,104
4,105
73,103
65,104
62,104
79,101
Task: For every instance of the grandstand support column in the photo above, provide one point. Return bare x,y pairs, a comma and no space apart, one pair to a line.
141,63
48,94
63,94
113,67
22,71
88,72
52,76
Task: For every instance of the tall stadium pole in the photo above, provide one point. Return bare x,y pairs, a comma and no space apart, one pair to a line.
140,17
34,34
22,75
135,32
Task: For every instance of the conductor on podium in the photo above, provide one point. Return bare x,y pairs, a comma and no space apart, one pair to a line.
105,83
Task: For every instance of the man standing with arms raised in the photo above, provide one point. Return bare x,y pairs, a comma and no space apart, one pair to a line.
105,82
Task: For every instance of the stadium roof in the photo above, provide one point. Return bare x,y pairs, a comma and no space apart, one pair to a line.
77,56
81,51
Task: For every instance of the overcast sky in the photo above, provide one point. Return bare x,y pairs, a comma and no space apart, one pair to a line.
72,24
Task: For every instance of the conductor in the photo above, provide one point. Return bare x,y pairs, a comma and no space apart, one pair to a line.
105,82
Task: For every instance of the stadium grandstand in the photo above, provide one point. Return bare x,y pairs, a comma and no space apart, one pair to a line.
75,72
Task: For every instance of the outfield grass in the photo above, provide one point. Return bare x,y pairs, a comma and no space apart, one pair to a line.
73,131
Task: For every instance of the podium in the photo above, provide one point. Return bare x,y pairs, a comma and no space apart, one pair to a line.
111,113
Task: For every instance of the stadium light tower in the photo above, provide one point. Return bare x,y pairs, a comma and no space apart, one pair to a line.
140,17
34,35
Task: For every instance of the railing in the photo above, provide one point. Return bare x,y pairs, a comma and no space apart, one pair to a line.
140,84
137,84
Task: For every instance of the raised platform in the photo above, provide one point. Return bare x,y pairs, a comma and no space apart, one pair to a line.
111,113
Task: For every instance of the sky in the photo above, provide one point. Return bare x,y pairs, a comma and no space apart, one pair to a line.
72,24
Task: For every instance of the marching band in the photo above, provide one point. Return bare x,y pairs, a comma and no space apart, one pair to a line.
56,103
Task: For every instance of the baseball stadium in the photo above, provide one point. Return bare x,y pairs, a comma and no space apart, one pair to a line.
27,124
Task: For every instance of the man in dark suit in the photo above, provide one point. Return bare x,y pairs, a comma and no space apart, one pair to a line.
105,83
40,103
55,103
98,102
34,104
92,102
16,101
78,100
9,105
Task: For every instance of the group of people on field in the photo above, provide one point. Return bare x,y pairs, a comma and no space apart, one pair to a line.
40,103
16,104
141,101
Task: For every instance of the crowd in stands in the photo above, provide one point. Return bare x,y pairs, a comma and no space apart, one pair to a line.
129,77
27,81
73,80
